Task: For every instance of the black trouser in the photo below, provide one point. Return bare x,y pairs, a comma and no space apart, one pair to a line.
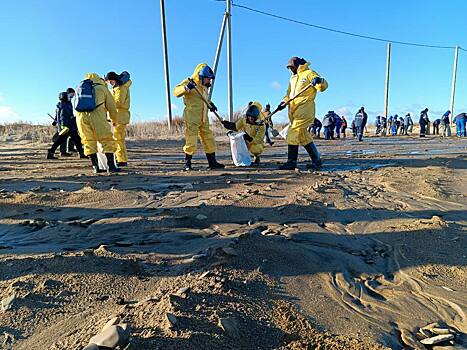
62,139
422,129
360,132
435,129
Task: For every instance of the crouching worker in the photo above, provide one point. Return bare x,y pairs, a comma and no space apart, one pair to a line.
254,127
195,115
66,126
94,101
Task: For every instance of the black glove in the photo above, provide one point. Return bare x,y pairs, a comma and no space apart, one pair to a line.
281,106
316,80
213,107
229,125
54,123
190,86
247,137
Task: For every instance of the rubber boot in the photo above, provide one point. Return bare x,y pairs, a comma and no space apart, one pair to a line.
122,164
95,164
51,155
213,164
256,161
314,155
188,158
292,156
112,168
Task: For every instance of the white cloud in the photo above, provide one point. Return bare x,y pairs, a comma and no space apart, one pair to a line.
344,110
276,85
8,115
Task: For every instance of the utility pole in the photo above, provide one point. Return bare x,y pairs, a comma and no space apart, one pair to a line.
453,87
229,57
166,66
218,52
386,94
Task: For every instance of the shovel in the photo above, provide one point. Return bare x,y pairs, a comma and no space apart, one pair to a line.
275,133
205,100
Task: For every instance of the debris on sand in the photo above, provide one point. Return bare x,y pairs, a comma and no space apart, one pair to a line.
112,336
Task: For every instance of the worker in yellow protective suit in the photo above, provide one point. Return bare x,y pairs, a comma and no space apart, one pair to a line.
195,115
121,91
301,111
254,126
93,125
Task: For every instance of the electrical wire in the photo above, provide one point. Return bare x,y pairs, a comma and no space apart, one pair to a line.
341,31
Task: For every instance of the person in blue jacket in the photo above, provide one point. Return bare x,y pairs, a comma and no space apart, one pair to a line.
360,120
338,125
66,125
384,125
328,123
460,121
378,125
436,124
446,124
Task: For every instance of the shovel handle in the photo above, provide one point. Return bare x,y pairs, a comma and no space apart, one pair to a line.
204,99
293,98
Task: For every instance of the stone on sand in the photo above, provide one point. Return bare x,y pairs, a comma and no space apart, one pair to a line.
7,302
113,336
170,320
438,339
230,326
230,251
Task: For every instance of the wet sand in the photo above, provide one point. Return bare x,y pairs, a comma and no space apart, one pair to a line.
359,255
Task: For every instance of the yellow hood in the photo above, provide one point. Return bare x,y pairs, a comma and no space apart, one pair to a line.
260,109
195,75
303,67
94,77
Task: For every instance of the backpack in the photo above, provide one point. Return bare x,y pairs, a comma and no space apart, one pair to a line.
85,93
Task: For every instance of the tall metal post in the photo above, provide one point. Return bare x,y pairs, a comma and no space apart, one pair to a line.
166,66
218,53
453,87
229,57
386,94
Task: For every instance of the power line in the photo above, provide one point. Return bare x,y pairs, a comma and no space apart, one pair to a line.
341,31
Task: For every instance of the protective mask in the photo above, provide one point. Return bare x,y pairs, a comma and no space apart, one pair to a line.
70,96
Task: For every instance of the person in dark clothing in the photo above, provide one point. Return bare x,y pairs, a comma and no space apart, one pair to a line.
328,123
316,127
67,125
268,123
436,125
338,125
446,124
354,129
384,125
407,123
378,125
360,120
423,122
344,126
68,145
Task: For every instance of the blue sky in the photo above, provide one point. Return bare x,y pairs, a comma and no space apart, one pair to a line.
49,45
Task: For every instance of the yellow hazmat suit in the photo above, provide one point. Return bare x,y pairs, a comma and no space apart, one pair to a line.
195,115
93,126
257,132
121,95
302,109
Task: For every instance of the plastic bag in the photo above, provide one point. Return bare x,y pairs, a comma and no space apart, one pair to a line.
240,154
102,159
285,131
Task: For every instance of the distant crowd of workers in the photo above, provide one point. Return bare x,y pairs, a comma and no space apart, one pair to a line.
334,125
102,117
